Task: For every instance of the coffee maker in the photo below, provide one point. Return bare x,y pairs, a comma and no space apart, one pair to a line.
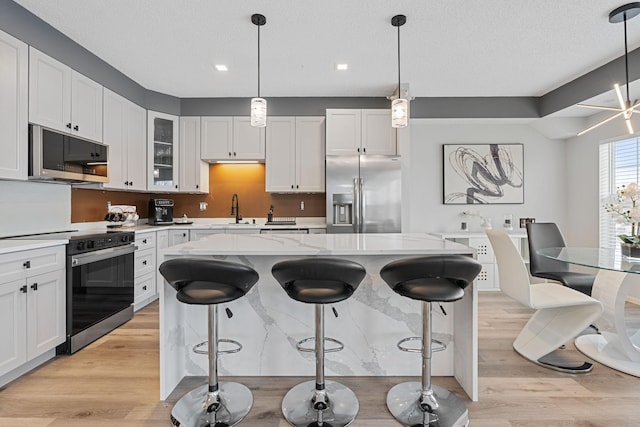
160,211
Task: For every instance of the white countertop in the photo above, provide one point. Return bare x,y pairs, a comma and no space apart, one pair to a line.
520,233
228,224
8,246
320,244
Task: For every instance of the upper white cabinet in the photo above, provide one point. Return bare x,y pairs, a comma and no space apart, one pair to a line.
295,154
353,132
194,173
163,151
125,132
14,107
231,138
63,99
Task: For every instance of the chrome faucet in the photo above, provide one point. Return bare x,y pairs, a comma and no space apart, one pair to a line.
235,208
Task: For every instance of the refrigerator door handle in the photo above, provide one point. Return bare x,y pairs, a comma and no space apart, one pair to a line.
356,205
362,203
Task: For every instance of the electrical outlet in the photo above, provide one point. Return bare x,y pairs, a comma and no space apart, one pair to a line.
203,206
302,205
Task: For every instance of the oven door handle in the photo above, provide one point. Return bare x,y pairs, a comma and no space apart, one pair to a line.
102,254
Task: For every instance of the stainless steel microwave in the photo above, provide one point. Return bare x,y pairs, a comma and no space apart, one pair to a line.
54,155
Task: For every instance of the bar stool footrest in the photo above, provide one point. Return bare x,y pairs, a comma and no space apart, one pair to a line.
300,345
197,347
439,345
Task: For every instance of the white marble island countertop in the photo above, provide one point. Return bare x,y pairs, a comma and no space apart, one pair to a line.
269,323
320,244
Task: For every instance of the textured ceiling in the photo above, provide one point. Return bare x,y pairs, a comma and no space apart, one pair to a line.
450,48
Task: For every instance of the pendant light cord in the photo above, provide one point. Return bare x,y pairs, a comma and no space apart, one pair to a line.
258,61
626,57
399,92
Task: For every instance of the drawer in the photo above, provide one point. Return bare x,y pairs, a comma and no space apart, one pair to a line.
144,287
146,240
145,262
18,265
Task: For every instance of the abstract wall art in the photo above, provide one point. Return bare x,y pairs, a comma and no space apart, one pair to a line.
483,174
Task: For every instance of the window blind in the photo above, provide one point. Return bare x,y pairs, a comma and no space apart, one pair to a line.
619,165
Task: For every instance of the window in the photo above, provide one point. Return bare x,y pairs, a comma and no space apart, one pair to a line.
619,165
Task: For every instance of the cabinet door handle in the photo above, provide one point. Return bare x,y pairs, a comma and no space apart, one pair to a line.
291,186
23,289
184,234
144,288
358,150
229,153
144,262
130,182
34,286
69,125
126,183
197,186
364,150
144,241
297,186
76,127
26,264
234,154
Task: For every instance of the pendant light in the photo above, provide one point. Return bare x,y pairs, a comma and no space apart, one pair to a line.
627,108
258,105
399,106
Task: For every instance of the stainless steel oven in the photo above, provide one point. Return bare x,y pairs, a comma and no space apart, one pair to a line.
100,274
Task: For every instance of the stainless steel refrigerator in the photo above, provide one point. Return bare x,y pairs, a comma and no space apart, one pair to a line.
363,194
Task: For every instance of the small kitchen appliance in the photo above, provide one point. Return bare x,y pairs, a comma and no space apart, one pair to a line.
160,211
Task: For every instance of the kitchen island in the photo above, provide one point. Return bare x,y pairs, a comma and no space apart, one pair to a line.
268,323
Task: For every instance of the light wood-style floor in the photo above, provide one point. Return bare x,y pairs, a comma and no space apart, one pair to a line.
114,382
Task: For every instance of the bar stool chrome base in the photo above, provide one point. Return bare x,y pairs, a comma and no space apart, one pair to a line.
298,410
403,401
235,403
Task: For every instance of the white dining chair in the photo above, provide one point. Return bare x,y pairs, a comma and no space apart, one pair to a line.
561,313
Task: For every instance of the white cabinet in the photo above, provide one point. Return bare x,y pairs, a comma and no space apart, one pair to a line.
353,132
145,270
178,236
194,173
125,132
63,99
231,138
32,305
487,279
295,154
196,234
163,149
14,107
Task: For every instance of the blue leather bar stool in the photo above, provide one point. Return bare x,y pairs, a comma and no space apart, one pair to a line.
211,282
319,281
441,278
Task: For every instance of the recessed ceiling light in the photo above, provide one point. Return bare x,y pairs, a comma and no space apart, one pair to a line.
222,67
342,67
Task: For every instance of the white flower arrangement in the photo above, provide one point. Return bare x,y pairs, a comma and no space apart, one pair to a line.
625,210
486,221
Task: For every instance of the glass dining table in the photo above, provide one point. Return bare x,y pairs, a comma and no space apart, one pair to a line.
616,345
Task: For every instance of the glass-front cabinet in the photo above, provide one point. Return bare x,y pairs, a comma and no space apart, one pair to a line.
163,151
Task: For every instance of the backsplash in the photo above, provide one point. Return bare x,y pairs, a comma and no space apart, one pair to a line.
246,180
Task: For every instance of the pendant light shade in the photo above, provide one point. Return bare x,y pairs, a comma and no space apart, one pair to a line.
258,105
399,113
399,106
258,112
627,108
